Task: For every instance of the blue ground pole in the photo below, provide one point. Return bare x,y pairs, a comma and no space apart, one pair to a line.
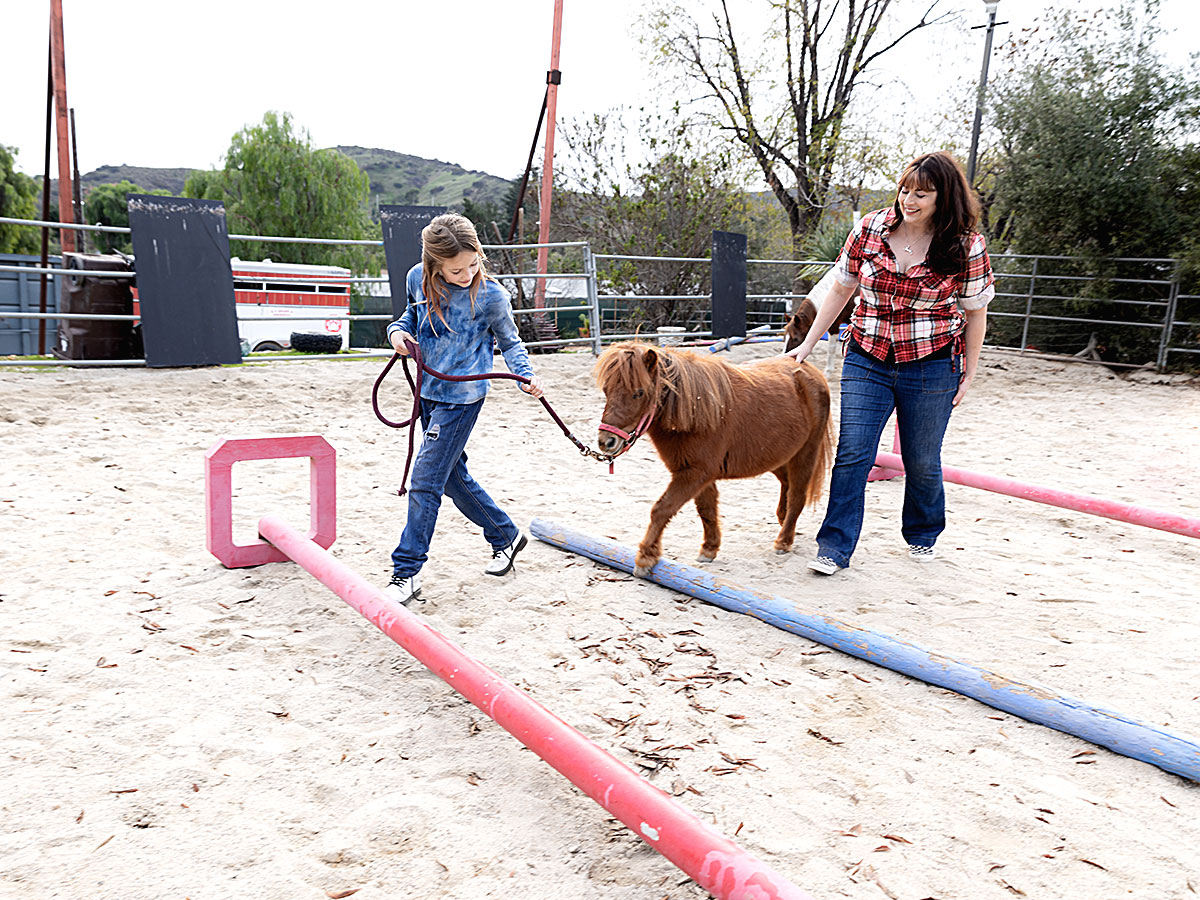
1169,750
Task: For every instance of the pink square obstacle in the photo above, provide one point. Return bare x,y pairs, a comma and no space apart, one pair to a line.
218,492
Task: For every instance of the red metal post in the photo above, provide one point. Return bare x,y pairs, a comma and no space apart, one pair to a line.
66,213
45,257
1096,506
539,291
714,862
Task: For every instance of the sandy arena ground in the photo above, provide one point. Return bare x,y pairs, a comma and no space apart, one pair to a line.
173,729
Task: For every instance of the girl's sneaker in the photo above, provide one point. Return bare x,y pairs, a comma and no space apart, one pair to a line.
502,559
921,554
403,590
824,565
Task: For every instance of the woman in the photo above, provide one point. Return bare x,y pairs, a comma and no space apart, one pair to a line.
913,347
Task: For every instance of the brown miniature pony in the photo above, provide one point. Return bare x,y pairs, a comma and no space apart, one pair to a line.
710,420
802,318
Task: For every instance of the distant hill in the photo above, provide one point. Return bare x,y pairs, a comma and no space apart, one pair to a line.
395,178
149,179
413,181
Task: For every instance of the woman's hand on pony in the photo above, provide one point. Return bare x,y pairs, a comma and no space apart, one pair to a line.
799,353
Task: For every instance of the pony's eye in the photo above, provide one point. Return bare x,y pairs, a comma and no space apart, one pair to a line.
637,395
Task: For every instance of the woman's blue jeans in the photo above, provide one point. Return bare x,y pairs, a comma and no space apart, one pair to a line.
440,468
922,394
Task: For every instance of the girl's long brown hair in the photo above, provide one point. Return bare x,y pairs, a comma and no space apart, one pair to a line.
442,240
956,214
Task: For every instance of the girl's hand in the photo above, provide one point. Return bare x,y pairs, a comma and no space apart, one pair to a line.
398,338
534,387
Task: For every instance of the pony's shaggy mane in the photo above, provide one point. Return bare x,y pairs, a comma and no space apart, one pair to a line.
695,390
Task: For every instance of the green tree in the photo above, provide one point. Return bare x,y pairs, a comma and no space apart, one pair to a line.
482,214
274,183
493,219
1096,159
108,204
18,200
1189,162
1094,132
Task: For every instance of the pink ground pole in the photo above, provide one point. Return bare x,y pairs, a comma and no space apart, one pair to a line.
717,864
880,473
1096,506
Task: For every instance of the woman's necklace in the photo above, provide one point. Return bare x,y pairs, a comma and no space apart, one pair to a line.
908,243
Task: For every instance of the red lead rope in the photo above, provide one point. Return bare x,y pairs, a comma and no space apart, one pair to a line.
415,352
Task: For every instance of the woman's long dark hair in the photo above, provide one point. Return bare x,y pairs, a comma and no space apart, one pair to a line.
956,213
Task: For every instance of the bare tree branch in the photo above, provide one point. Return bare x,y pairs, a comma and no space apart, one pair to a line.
797,143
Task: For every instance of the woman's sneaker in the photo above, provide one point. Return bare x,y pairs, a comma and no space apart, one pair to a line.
502,559
824,565
921,554
403,590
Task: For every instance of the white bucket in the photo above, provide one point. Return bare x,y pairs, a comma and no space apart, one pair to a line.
670,335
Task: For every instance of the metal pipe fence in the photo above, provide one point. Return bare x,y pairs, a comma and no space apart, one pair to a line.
1121,312
1127,312
1118,312
78,273
61,316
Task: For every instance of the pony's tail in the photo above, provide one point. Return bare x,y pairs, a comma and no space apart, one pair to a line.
823,435
816,483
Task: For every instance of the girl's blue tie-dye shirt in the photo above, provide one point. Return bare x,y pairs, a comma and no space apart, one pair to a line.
462,345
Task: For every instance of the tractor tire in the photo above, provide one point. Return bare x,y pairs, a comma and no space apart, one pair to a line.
307,342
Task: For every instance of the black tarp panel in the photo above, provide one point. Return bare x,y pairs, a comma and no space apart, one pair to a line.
184,281
728,284
402,244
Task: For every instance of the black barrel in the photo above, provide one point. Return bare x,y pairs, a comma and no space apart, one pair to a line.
90,338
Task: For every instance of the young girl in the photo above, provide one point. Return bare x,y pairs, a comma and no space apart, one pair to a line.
455,313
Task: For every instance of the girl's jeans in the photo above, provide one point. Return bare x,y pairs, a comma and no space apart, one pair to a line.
921,393
441,468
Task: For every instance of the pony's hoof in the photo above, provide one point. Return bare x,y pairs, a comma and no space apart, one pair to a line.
783,551
705,558
643,562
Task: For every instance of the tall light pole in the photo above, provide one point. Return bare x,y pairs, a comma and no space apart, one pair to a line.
987,55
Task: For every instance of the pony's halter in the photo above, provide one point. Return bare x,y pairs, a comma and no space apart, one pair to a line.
643,424
628,437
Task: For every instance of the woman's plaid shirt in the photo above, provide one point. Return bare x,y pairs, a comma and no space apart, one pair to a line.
915,313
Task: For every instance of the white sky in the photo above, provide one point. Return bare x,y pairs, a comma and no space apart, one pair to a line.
168,84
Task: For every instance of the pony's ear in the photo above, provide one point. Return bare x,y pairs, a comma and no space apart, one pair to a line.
650,360
796,320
